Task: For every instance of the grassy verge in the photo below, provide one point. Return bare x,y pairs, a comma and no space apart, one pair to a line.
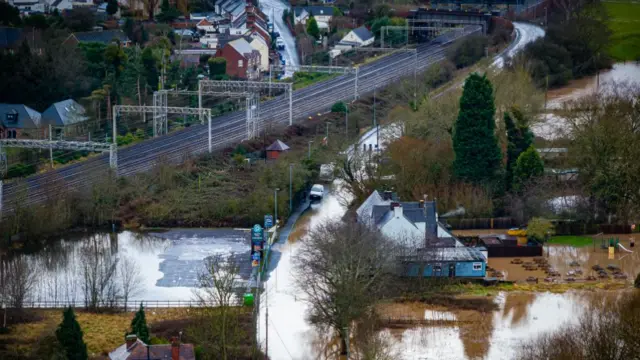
307,79
571,240
624,22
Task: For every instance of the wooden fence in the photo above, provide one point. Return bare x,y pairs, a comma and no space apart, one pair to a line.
131,304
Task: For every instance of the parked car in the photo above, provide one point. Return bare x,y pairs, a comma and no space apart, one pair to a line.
317,192
280,44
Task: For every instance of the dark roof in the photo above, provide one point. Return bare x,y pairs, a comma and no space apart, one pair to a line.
314,10
437,254
363,33
63,113
139,351
105,36
27,117
56,3
378,212
278,146
9,37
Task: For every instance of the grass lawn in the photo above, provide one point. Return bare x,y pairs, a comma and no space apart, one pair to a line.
102,332
576,241
624,22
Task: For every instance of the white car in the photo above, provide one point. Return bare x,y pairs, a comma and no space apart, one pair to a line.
317,192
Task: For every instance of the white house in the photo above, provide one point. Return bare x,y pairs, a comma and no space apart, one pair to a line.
205,25
257,42
405,221
29,6
322,14
358,37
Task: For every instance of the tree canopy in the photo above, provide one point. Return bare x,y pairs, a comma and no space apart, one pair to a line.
519,139
312,27
477,154
528,167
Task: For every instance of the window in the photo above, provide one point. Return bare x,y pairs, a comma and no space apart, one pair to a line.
240,63
477,266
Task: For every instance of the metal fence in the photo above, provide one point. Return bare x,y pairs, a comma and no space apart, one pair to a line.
130,304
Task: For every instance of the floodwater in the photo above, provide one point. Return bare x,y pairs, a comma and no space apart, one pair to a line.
520,317
552,126
169,263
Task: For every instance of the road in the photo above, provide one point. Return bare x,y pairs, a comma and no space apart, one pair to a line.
230,129
274,10
525,33
290,335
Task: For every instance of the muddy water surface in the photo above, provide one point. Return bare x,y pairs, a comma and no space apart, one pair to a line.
494,336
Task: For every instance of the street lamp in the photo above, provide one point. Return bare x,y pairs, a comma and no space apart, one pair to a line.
346,121
309,155
290,189
275,204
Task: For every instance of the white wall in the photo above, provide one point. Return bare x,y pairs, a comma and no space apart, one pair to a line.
259,44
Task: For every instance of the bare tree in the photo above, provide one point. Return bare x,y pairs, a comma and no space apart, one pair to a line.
20,278
342,268
98,270
130,279
218,330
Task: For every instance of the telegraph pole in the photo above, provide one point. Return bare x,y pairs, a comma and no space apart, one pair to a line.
50,147
290,188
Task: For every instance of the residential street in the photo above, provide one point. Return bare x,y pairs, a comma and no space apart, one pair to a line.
274,9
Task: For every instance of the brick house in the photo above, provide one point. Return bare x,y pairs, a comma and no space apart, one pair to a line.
243,61
18,121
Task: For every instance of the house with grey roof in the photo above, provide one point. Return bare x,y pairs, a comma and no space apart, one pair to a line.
103,36
64,114
19,121
356,38
322,14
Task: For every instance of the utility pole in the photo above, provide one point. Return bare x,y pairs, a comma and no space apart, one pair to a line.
375,123
346,121
326,133
275,204
309,155
50,147
546,89
346,340
290,188
266,319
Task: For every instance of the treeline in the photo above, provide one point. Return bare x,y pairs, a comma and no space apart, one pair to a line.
575,45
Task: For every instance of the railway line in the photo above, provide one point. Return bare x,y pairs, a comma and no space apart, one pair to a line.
229,129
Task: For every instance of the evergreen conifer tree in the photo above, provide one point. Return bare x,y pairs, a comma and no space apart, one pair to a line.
528,167
478,156
69,335
139,325
519,139
312,27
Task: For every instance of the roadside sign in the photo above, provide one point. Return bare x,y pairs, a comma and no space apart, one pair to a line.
256,234
255,259
268,221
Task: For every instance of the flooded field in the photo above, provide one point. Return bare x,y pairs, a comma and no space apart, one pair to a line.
168,263
497,335
552,126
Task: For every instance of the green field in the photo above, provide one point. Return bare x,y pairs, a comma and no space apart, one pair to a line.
624,21
576,241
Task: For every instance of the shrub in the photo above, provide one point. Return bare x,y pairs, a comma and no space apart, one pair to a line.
339,107
637,282
468,51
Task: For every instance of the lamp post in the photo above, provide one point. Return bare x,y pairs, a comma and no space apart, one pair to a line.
309,155
290,188
275,204
346,121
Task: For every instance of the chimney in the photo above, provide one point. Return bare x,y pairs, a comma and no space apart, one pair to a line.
130,340
421,205
397,209
431,225
175,348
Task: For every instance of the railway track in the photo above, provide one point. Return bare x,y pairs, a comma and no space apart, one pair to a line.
230,129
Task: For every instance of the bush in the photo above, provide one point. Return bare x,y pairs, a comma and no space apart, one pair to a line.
20,170
637,282
339,107
468,51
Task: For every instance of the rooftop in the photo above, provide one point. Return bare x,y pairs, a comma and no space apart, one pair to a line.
25,117
278,146
436,254
63,113
10,37
363,33
105,36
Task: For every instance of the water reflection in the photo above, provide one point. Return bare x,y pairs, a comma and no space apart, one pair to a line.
495,336
89,267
